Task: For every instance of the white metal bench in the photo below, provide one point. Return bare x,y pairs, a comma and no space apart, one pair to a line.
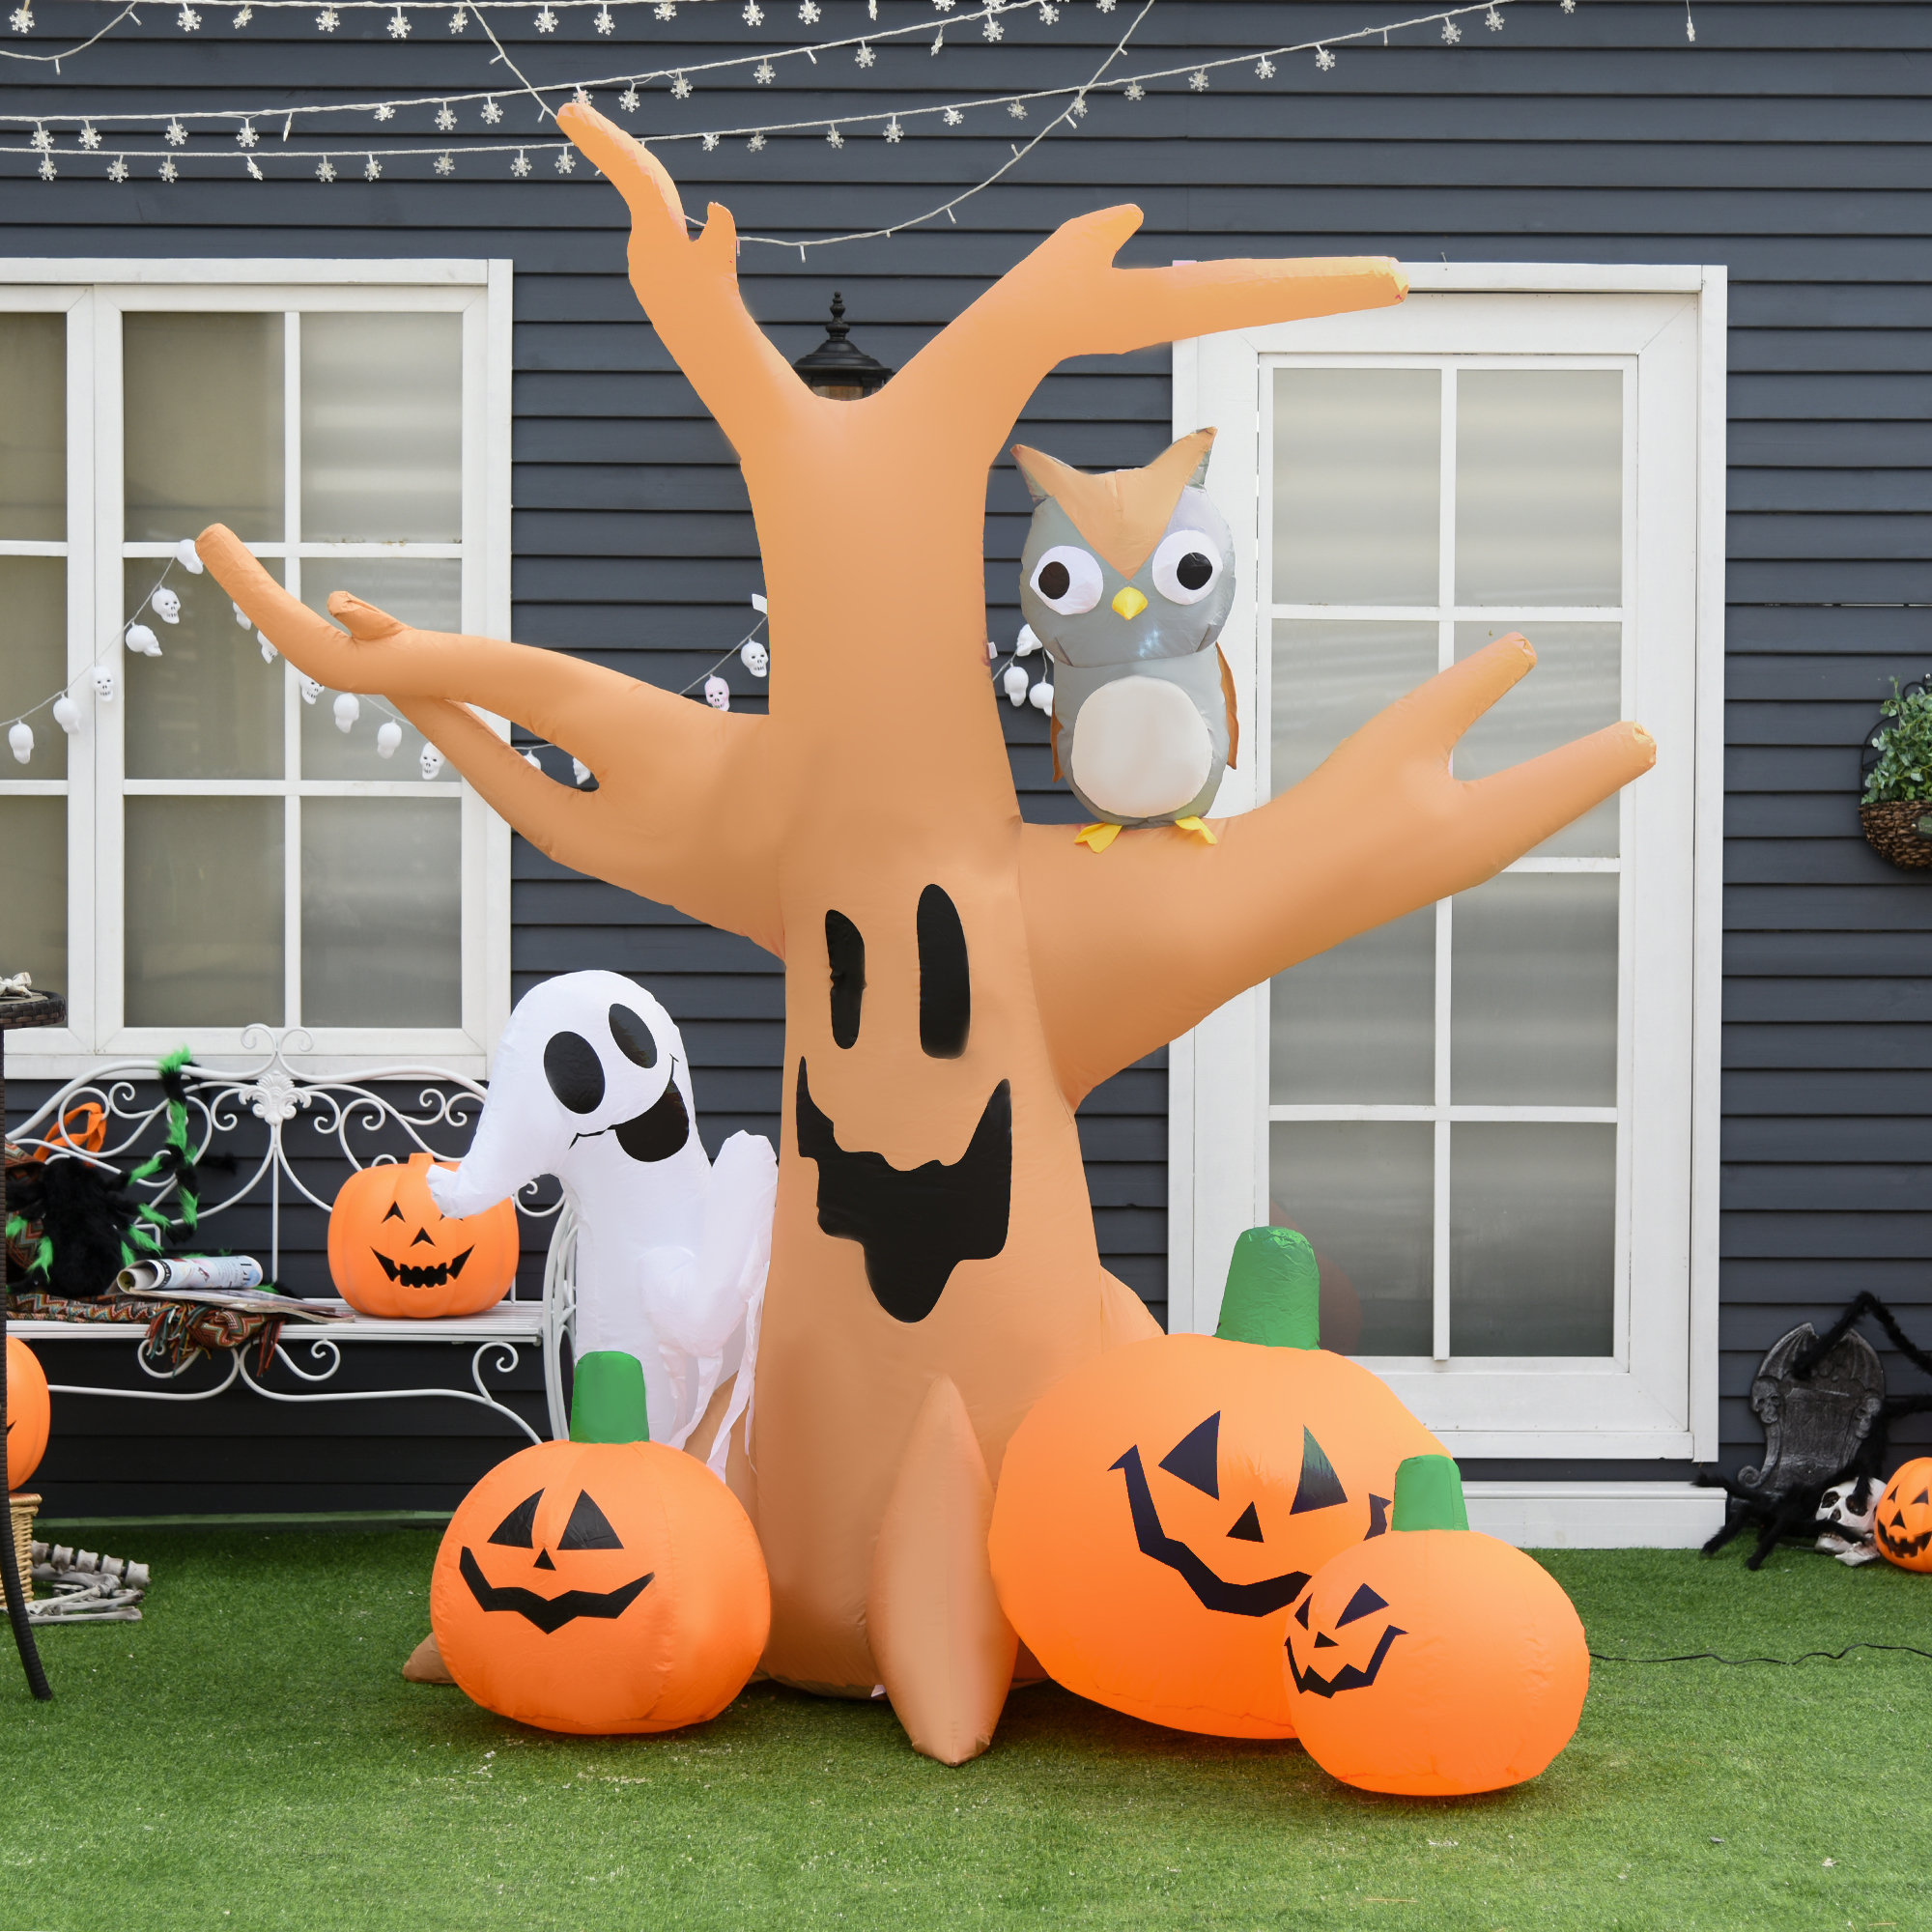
342,1111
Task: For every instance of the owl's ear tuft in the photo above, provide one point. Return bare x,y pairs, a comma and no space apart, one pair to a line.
1039,471
1204,440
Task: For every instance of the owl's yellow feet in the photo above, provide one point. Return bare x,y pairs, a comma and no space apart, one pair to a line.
1096,838
1197,828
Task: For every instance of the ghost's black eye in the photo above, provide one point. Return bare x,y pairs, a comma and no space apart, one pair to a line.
1053,581
845,952
575,1073
395,1213
634,1036
1194,570
588,1528
515,1531
945,984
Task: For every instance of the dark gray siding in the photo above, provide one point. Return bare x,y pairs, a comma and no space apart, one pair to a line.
1789,142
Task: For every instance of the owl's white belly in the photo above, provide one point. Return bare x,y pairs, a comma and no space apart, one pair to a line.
1139,747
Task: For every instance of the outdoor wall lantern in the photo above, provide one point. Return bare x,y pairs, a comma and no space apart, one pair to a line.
838,368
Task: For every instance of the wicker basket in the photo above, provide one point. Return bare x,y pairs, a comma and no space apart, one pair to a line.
1891,829
24,1507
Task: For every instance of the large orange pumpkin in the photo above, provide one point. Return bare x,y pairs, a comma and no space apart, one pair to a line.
391,1250
1161,1507
1434,1660
600,1587
1902,1528
28,1412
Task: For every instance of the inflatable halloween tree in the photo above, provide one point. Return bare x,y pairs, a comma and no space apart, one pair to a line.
956,981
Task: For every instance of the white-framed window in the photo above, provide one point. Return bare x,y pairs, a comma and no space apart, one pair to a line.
208,848
1495,1119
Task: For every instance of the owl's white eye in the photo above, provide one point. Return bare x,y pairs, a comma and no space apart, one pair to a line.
1186,566
1067,580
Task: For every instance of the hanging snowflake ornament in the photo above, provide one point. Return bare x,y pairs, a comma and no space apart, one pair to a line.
1494,20
372,168
1569,6
117,169
1017,109
245,135
387,112
764,74
755,145
20,740
710,143
754,15
445,164
388,736
943,6
865,56
67,714
521,166
680,88
169,172
1014,681
894,133
717,693
429,762
1198,80
808,12
953,116
188,20
834,138
1265,68
1135,91
605,22
628,100
1105,6
446,118
566,161
327,20
754,657
458,20
1452,34
42,141
1077,106
1324,60
399,25
174,133
992,29
254,171
491,112
21,20
938,42
47,170
665,10
546,21
325,171
88,136
310,690
348,708
1049,13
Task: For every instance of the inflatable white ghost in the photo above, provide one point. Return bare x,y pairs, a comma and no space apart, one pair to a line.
591,1084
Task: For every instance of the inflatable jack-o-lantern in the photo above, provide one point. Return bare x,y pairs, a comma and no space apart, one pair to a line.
28,1412
601,1586
1902,1529
393,1251
1434,1662
1160,1508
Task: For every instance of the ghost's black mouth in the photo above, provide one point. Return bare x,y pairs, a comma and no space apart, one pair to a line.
550,1615
1350,1676
915,1227
655,1134
438,1276
1260,1599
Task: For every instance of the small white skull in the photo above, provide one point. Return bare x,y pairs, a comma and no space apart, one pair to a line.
716,693
311,691
534,763
67,714
580,771
242,620
167,606
269,652
1025,643
431,761
387,737
188,557
348,708
103,684
756,658
142,642
1015,681
21,741
1041,695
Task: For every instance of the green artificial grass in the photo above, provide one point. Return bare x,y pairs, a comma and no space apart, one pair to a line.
250,1756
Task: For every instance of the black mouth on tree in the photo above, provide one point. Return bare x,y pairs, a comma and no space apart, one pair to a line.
550,1615
438,1276
915,1227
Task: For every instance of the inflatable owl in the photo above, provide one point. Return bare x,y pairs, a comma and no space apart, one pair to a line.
1127,579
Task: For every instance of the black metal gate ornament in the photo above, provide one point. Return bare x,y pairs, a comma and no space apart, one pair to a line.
1826,1420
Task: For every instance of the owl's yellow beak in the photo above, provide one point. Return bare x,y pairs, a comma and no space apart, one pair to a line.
1128,602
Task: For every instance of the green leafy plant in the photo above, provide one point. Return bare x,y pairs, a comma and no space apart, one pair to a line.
1904,746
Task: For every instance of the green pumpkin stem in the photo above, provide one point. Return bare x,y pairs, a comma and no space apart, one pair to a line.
1429,1494
606,1400
1274,1292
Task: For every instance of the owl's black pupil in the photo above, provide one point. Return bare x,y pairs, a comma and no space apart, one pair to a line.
1053,581
1193,570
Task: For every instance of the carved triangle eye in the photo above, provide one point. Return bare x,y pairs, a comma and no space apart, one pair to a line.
1360,1604
1195,1458
514,1532
588,1528
1319,1487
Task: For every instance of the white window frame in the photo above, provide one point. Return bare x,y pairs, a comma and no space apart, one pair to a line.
1656,1395
94,293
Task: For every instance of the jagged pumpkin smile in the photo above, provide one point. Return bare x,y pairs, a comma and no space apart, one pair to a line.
439,1275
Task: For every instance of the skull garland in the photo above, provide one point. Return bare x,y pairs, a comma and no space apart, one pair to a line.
592,1083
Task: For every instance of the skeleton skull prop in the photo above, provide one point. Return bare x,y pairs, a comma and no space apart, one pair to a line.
1849,1509
143,642
103,684
716,693
756,658
431,761
167,606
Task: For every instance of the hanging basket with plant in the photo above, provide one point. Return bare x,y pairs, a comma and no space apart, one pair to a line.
1896,805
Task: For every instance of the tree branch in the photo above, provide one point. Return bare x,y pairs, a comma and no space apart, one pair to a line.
1128,957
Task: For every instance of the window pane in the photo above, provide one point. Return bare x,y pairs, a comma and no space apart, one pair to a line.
1330,678
204,911
1575,688
425,591
381,911
1358,1023
1532,1239
1539,486
1357,485
208,707
382,428
33,428
1533,994
33,658
33,890
1361,1191
203,414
